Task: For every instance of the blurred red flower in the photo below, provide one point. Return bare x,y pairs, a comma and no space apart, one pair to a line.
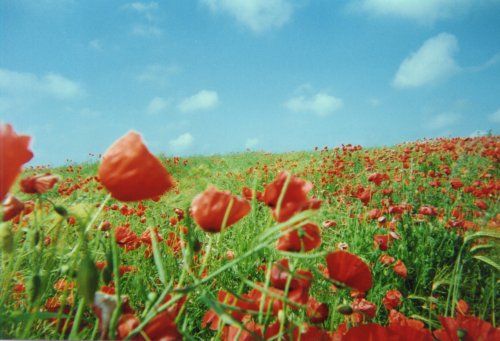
381,241
131,173
11,207
377,178
209,209
472,328
305,238
400,269
294,199
349,269
39,183
14,152
392,299
316,311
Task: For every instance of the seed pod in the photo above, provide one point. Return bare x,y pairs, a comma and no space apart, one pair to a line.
61,210
88,279
6,238
36,287
345,309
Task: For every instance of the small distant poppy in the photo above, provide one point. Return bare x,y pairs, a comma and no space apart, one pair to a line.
131,173
209,209
377,178
14,152
349,269
381,241
392,299
400,269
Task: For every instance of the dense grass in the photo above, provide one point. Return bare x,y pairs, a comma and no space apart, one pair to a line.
449,256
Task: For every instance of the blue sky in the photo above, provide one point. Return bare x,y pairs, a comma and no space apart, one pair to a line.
218,76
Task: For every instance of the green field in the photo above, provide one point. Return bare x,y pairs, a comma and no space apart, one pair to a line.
433,207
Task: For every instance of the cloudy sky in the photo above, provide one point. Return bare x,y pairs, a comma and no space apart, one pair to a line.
219,76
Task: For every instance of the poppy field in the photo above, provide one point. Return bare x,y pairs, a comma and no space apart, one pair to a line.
344,243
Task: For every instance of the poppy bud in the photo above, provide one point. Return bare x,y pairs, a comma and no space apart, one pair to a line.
88,279
61,210
6,238
345,309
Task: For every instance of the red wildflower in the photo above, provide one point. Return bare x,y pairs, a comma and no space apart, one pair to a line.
316,311
462,308
392,299
481,204
368,332
349,269
381,241
456,183
126,238
469,328
377,178
305,238
294,199
427,210
280,273
11,207
365,307
209,209
131,173
396,318
400,269
329,223
309,332
14,152
38,183
403,333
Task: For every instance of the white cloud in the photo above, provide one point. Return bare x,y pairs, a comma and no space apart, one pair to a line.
95,44
157,105
443,120
29,84
251,143
182,142
146,9
157,73
321,104
203,100
495,117
258,15
89,113
146,30
432,62
423,11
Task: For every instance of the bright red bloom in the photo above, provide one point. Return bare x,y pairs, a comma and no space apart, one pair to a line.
316,311
367,332
209,209
131,173
403,333
14,152
309,332
472,328
329,223
386,259
39,183
481,204
126,238
294,199
427,210
363,306
381,241
280,273
349,269
392,299
377,178
456,183
11,207
305,238
396,318
462,308
400,269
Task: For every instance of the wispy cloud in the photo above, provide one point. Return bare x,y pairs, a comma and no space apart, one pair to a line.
251,143
495,117
28,84
157,105
433,61
257,15
444,120
425,12
203,100
321,104
148,10
146,30
181,143
95,44
157,73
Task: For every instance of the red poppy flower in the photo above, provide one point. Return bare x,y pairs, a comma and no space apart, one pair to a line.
462,308
377,178
306,238
309,332
456,183
367,332
481,204
403,333
11,207
39,183
316,311
396,318
209,209
126,238
294,199
365,307
381,241
280,273
349,269
14,152
131,173
400,269
472,328
386,259
392,299
427,210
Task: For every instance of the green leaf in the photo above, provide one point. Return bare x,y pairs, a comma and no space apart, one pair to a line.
488,261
